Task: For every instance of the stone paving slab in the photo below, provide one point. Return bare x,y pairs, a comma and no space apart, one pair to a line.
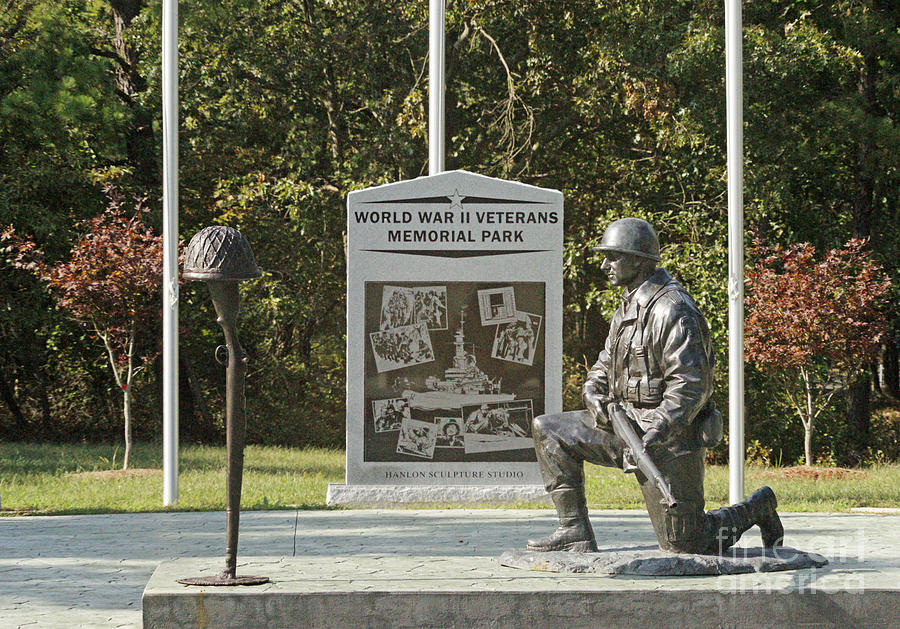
90,571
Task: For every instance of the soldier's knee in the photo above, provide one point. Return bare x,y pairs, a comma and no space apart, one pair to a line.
541,424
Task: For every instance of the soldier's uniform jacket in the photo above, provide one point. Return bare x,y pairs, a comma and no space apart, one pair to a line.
658,362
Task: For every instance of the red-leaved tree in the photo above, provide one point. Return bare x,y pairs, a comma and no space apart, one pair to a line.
811,324
111,282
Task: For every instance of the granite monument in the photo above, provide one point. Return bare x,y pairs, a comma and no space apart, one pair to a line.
454,338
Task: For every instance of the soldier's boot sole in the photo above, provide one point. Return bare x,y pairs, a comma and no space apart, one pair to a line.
576,538
572,547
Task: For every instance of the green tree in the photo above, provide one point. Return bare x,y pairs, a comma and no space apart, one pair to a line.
59,125
286,106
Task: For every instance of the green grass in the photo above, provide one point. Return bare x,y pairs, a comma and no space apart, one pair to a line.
878,487
44,479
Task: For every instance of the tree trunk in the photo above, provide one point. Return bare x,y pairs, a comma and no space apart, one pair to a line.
864,210
126,408
125,385
139,141
44,399
864,199
859,409
890,368
9,397
808,421
807,444
129,376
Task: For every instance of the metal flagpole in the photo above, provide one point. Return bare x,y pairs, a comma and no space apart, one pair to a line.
170,249
435,86
735,138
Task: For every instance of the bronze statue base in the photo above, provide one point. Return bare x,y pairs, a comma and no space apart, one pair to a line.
650,561
223,579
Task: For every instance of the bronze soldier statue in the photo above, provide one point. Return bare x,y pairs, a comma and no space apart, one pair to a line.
648,410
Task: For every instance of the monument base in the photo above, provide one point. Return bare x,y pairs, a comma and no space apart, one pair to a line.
652,562
346,495
434,591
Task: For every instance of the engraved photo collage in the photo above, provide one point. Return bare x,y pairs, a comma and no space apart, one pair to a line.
453,370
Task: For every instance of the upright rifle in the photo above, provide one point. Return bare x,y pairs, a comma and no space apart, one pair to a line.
624,430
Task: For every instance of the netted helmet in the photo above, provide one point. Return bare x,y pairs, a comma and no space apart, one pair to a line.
219,253
631,235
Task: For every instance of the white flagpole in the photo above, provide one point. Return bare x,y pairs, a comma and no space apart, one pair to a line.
735,138
170,249
435,86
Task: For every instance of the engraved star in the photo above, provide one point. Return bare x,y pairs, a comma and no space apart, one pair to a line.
456,199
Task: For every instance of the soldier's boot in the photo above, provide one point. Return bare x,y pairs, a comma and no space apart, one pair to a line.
728,524
733,521
574,533
763,504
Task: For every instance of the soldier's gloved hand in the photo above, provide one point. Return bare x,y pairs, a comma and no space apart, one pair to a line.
657,433
596,407
652,437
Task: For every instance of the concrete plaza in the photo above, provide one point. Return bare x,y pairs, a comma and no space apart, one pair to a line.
90,571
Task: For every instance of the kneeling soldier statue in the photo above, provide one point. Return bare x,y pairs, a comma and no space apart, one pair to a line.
649,410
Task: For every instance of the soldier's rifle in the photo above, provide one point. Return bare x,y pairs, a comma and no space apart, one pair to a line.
625,431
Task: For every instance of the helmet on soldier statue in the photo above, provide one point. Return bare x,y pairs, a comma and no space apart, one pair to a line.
631,235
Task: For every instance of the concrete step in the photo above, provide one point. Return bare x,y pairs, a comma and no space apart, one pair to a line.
417,592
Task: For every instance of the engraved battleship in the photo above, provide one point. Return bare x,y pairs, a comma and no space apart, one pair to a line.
464,383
